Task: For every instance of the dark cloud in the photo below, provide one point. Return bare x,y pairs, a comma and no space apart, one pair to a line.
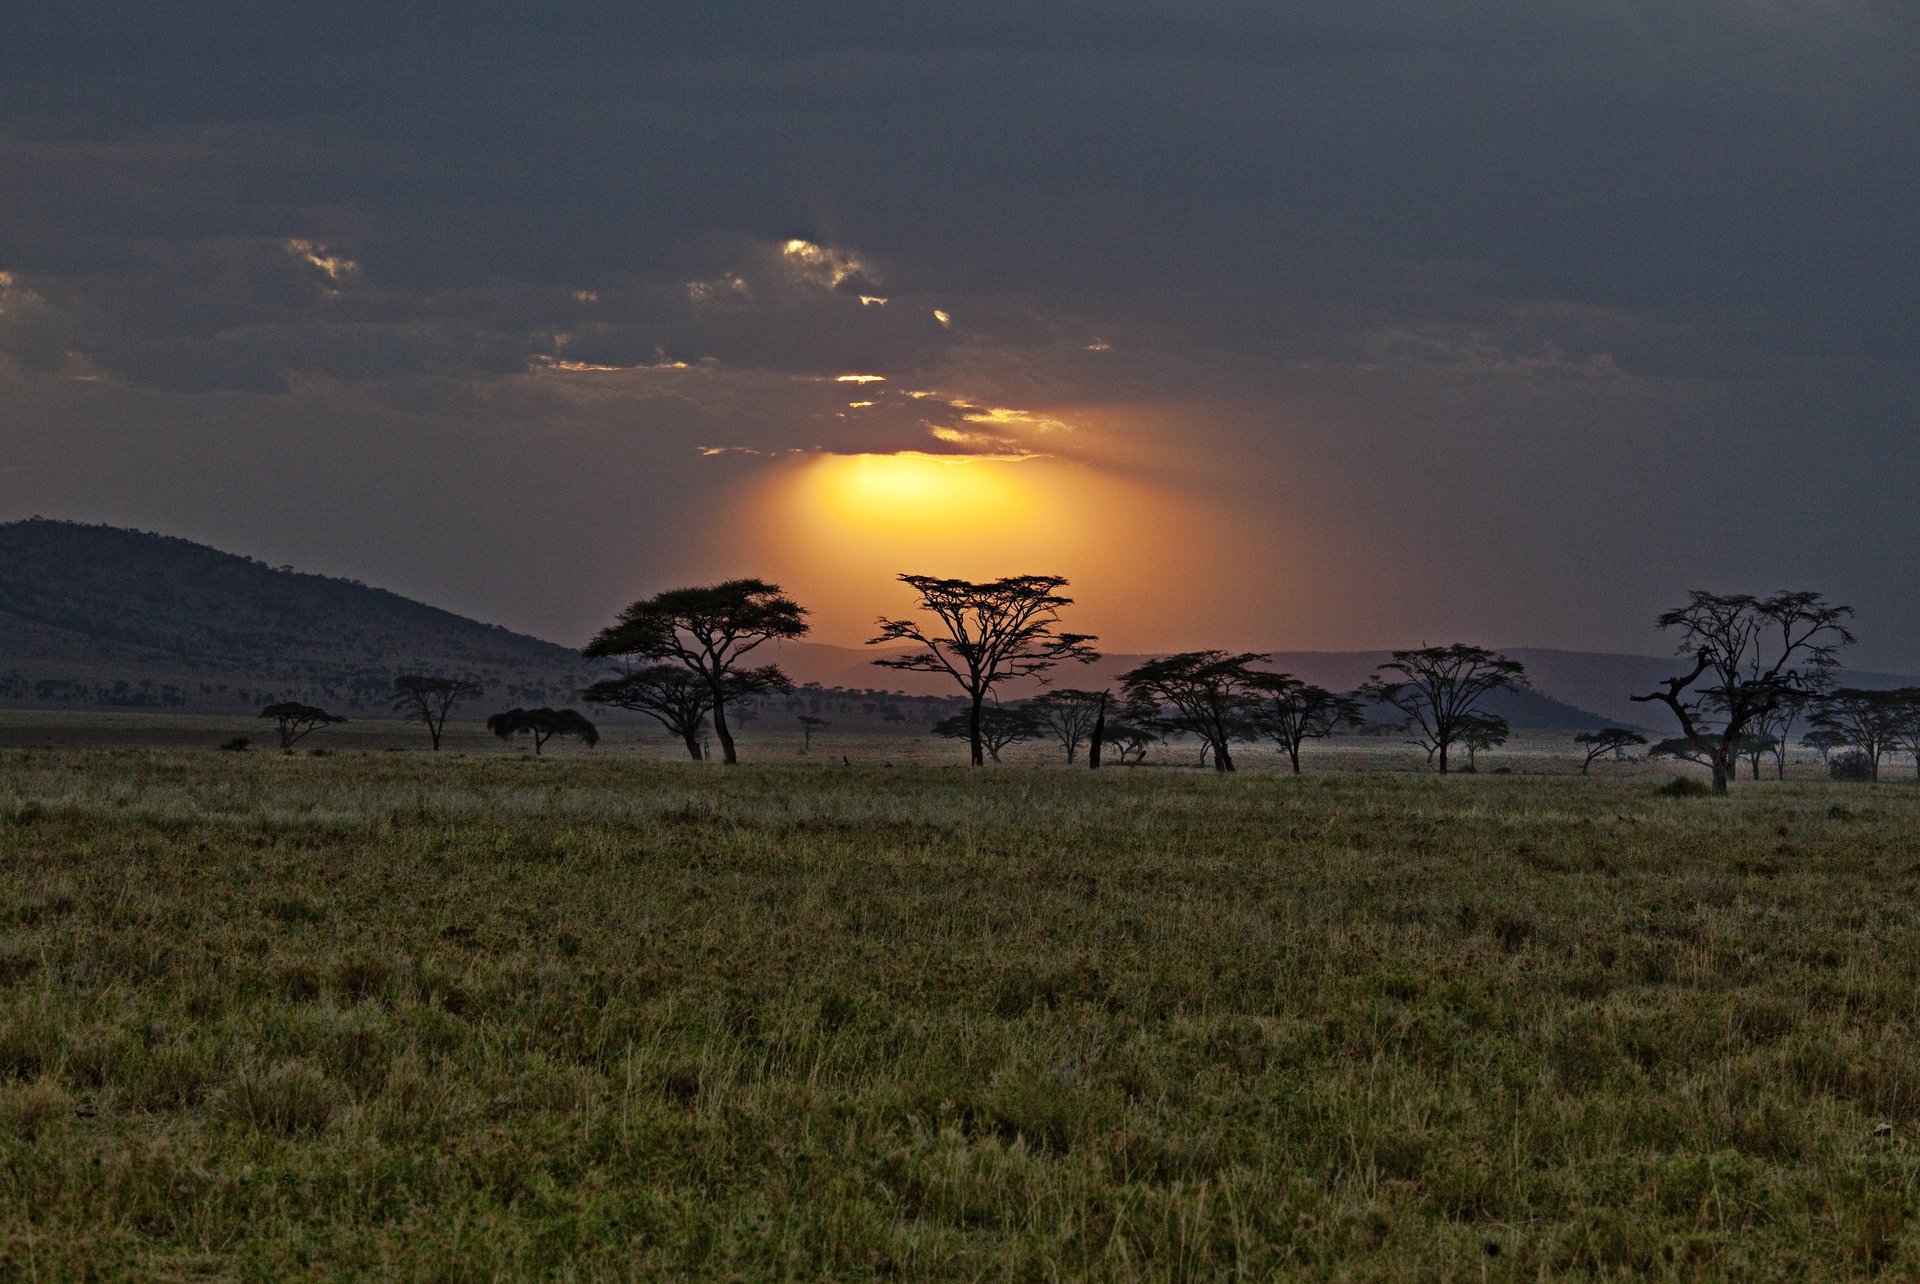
1514,289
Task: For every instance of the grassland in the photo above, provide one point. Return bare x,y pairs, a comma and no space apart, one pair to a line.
477,1017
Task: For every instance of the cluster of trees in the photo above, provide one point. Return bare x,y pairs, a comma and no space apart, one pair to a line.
1760,666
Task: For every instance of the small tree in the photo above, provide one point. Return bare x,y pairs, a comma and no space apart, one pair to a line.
1906,723
985,634
808,725
428,701
1750,654
1067,715
996,726
1130,741
293,720
1753,747
1612,741
543,724
1870,721
1209,694
709,630
1823,741
1294,712
1480,732
1438,687
675,697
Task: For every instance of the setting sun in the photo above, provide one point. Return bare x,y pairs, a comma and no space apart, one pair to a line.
912,493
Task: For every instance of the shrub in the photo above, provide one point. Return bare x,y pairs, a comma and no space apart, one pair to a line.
1683,787
1851,765
237,745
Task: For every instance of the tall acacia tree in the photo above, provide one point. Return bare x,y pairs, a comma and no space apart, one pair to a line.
1212,695
428,701
1294,712
1439,688
709,630
984,634
1750,655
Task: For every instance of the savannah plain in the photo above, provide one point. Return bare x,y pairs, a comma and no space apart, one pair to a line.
865,1013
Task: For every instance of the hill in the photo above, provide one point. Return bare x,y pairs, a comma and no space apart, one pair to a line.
95,615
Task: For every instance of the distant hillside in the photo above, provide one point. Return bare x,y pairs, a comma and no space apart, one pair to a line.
94,615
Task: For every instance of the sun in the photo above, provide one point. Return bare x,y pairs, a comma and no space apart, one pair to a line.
911,493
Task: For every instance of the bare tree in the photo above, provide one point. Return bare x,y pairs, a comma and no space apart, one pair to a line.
1440,686
709,630
985,634
1067,715
1294,712
997,728
1611,741
543,725
677,698
293,720
1871,721
1209,694
1752,654
428,701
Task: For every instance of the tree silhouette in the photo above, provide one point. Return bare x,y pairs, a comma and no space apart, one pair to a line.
709,630
808,725
543,724
676,698
1752,654
1823,741
292,720
1211,694
1130,741
996,726
1438,687
1480,732
1870,721
428,701
1067,715
1613,741
984,634
1906,723
1294,712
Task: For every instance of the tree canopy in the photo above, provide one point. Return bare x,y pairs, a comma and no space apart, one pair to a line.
1293,712
998,727
543,724
293,720
429,700
1438,687
1750,655
982,634
675,697
1608,742
709,630
1210,694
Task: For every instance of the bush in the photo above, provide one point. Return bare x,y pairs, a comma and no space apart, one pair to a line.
1851,765
1683,787
237,745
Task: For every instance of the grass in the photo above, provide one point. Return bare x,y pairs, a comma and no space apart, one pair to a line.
465,1017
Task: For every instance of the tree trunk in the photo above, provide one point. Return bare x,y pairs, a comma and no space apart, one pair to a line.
1721,774
979,758
1222,756
1293,755
727,755
693,745
1095,744
1443,757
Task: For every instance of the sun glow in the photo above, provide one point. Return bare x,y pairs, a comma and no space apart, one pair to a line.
916,494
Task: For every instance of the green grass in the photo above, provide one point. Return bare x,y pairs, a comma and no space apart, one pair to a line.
481,1017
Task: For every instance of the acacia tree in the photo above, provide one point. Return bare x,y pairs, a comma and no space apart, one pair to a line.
984,634
543,724
1610,740
808,725
1130,741
998,728
1294,712
428,701
292,720
676,698
1750,655
1212,695
1067,715
709,630
1823,741
1480,732
1438,687
1870,721
1906,723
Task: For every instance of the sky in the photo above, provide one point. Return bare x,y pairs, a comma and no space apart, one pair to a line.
1321,326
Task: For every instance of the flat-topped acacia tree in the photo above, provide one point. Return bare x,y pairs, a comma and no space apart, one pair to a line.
709,630
669,694
983,634
293,720
1438,688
